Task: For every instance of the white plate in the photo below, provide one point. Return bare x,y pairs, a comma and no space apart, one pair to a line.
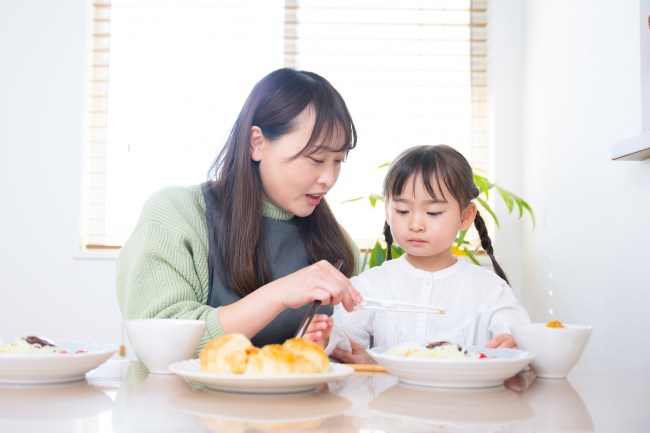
499,365
29,368
257,383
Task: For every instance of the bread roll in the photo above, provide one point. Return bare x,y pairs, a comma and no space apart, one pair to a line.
226,354
235,354
310,350
276,359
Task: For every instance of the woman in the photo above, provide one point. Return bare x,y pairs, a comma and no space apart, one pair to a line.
247,249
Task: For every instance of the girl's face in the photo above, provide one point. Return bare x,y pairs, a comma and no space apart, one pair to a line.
295,184
426,228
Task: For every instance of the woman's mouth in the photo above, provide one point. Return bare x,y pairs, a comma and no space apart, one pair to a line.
313,199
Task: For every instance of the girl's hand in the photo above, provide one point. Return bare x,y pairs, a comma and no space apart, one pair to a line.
319,329
320,281
358,355
502,341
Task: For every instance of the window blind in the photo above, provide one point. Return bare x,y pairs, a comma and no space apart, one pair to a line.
412,72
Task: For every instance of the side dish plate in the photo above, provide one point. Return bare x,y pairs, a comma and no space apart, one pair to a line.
499,365
20,368
257,383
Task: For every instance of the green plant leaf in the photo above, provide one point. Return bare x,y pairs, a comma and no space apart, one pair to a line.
385,164
374,198
487,207
460,239
507,197
396,251
470,254
526,206
377,256
483,185
353,199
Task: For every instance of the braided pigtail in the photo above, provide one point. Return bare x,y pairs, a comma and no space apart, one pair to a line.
389,241
486,243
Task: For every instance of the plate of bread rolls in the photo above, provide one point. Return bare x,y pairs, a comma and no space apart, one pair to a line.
232,363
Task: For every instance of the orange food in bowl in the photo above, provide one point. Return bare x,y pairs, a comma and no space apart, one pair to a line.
555,324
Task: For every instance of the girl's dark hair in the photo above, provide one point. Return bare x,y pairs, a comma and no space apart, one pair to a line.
448,167
273,105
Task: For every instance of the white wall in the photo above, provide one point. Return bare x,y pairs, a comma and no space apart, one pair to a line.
566,83
44,288
582,93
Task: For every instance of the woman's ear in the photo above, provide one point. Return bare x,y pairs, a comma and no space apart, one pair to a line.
256,143
467,218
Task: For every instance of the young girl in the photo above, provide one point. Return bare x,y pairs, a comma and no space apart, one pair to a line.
246,250
428,193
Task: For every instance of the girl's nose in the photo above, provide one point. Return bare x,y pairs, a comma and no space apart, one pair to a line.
415,225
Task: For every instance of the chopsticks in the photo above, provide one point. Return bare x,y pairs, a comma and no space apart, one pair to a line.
371,368
312,310
375,304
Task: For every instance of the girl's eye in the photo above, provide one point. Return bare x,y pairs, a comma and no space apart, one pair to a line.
401,212
316,160
434,213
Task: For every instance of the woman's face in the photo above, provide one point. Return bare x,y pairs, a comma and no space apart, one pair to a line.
295,184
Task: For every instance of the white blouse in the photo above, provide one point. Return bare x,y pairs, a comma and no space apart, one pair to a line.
479,306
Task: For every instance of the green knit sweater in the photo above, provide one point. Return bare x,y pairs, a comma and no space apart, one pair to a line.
162,270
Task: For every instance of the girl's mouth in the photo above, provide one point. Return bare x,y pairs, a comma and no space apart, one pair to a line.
416,241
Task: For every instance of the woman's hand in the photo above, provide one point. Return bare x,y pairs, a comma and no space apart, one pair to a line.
357,356
320,281
319,329
502,341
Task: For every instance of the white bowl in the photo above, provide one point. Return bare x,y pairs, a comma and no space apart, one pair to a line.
556,350
160,342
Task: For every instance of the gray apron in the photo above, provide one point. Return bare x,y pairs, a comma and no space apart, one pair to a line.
286,253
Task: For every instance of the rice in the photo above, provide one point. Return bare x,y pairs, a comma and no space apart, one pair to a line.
20,345
441,351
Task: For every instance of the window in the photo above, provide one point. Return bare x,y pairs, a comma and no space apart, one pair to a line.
168,78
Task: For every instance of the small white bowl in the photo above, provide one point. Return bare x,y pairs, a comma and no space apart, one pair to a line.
556,350
160,342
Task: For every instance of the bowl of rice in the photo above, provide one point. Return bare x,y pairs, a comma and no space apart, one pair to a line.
449,365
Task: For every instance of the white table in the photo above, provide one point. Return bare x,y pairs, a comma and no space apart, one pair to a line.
121,396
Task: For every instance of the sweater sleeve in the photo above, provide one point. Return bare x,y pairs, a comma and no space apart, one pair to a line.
162,270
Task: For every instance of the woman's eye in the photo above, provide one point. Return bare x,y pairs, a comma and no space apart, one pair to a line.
316,160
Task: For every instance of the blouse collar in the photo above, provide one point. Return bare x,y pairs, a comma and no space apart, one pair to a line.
407,267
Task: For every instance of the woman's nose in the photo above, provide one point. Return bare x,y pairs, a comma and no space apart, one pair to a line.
328,176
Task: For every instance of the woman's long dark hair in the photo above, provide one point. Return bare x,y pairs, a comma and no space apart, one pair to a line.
448,167
273,105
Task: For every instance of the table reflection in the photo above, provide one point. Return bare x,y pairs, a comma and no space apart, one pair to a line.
51,408
229,412
143,402
557,406
123,397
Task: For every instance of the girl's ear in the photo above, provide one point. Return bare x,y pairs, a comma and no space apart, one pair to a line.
467,218
256,143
